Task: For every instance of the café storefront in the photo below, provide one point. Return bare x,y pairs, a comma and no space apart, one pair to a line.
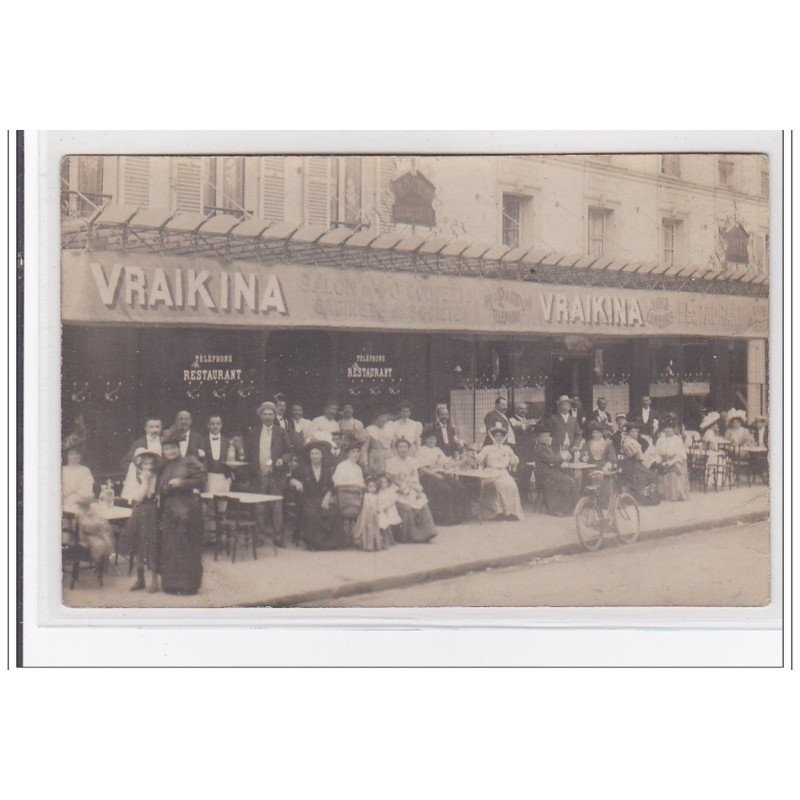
153,334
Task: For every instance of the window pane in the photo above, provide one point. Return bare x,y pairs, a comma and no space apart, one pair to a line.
512,220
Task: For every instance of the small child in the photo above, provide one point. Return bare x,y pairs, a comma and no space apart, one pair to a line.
366,533
388,515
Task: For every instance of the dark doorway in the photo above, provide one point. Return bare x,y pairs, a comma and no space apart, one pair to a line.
298,366
570,375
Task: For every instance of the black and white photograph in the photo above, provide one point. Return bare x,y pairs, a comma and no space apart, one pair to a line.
371,381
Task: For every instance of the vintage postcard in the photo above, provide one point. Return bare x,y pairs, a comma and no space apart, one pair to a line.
372,381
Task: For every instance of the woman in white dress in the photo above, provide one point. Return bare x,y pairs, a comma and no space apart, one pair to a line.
376,449
716,459
77,483
668,454
412,503
500,494
406,428
736,433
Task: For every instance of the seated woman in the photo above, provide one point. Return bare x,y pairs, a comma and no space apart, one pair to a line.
412,504
598,451
500,494
448,498
716,458
640,480
349,472
312,479
668,457
77,483
557,488
736,433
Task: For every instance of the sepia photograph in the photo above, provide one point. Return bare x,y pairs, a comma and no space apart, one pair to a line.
403,380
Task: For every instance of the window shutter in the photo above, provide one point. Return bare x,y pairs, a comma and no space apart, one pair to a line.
187,183
273,188
136,180
316,195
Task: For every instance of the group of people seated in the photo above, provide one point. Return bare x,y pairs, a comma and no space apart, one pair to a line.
370,486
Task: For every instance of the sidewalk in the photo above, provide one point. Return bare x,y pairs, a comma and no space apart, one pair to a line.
295,577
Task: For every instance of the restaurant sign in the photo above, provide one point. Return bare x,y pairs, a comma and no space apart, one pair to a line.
172,290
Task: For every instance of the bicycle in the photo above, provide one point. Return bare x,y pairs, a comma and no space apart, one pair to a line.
620,515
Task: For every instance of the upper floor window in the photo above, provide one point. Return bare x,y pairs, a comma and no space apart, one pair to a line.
512,220
82,185
671,164
725,172
737,241
345,190
224,185
600,220
670,234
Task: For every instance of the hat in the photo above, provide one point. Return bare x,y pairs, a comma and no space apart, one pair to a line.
760,418
316,444
592,427
497,429
542,427
709,419
401,439
141,452
669,421
736,413
621,415
265,404
564,397
429,431
322,437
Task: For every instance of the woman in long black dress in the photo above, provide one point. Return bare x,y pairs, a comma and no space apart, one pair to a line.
448,499
312,480
180,521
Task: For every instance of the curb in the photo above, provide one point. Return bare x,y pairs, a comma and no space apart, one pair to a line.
457,570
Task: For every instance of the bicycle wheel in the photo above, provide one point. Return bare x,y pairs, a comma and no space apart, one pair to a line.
589,523
626,518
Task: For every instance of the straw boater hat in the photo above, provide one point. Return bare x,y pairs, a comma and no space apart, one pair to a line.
265,404
709,419
620,415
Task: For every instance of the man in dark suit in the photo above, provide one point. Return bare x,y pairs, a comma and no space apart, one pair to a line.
760,432
498,416
523,432
268,451
564,428
601,414
648,418
759,462
150,441
190,442
215,445
634,430
446,437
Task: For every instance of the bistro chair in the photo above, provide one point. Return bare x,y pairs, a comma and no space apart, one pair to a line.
74,555
348,501
696,466
234,520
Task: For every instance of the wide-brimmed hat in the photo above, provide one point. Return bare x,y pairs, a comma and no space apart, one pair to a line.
709,419
142,452
498,428
428,432
620,415
736,413
593,426
265,404
317,444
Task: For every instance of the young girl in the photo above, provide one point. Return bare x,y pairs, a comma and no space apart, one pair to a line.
141,532
366,533
388,517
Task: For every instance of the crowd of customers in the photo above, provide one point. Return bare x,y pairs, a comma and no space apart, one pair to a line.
370,486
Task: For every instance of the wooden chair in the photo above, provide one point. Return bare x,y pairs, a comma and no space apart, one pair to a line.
234,519
76,556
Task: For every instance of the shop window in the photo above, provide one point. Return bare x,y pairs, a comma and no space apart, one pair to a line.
725,172
671,164
224,186
516,219
600,222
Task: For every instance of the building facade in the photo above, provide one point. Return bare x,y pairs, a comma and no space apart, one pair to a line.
213,282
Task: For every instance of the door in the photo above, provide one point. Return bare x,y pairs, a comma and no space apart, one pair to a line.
570,375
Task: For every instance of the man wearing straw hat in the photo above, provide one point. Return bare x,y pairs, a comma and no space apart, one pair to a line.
268,450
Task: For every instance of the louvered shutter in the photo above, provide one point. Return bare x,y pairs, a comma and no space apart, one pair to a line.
187,185
136,180
317,191
273,188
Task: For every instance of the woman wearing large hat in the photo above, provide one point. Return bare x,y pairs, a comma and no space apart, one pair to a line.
312,479
500,494
448,499
668,456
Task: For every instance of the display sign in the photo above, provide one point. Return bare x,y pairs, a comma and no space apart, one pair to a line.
168,290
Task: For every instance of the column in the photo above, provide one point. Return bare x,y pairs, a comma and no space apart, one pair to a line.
756,377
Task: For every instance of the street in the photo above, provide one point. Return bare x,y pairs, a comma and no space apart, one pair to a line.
720,567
